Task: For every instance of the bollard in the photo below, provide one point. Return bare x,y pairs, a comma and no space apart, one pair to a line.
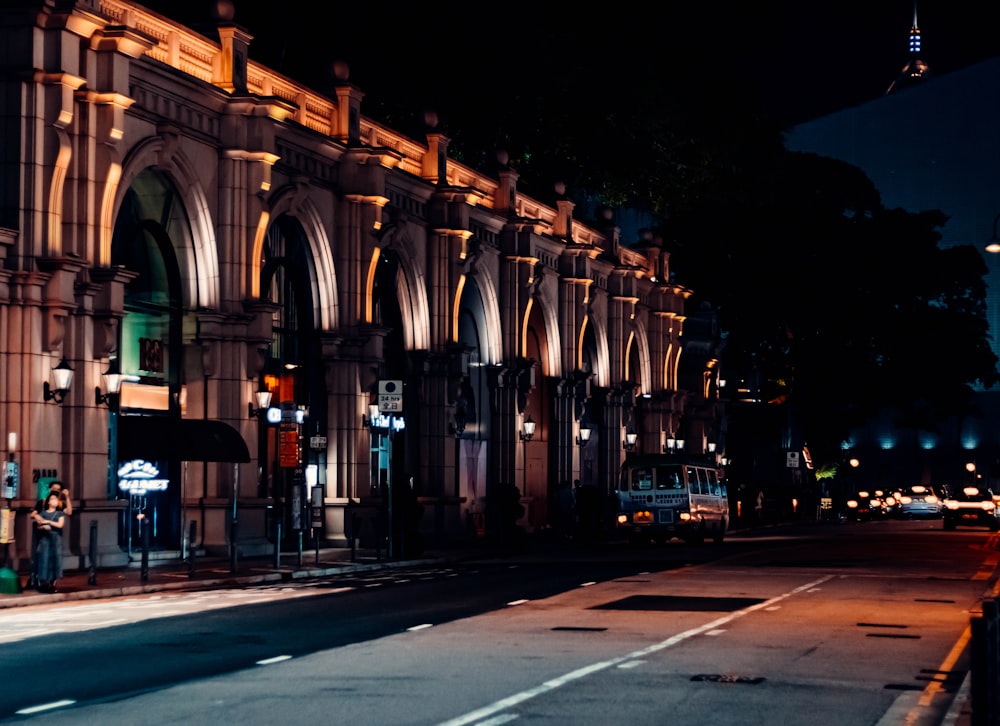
354,536
985,651
92,554
144,568
192,547
277,544
233,531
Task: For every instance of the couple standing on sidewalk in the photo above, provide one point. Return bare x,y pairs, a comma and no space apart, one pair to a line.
50,516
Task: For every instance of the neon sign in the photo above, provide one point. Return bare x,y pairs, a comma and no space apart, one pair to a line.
139,476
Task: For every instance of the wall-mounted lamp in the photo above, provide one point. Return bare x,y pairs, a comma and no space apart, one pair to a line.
62,376
263,397
673,445
527,429
585,432
112,378
711,447
630,439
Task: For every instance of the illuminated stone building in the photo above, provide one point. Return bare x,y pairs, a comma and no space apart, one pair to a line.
175,213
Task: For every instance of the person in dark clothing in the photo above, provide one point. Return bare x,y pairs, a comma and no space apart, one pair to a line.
65,506
48,554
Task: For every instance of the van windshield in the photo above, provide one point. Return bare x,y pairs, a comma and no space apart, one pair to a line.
659,477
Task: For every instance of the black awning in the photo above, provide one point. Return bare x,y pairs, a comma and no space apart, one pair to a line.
164,437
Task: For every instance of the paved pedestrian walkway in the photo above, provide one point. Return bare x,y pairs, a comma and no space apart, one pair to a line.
208,572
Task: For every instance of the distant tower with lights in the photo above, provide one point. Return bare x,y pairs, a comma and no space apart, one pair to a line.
915,69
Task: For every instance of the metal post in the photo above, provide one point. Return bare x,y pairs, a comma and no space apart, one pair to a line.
354,536
390,544
144,568
234,527
192,547
92,554
984,665
277,543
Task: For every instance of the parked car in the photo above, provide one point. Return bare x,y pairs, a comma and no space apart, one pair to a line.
972,506
919,500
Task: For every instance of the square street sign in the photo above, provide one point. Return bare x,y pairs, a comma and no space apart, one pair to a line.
390,396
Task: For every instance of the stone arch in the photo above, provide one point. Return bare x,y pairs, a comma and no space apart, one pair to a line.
491,349
638,352
292,201
411,287
598,323
551,361
198,253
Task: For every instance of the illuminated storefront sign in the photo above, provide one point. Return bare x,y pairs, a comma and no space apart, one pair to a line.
139,476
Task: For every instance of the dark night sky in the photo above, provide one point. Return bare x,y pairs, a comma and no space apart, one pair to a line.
804,59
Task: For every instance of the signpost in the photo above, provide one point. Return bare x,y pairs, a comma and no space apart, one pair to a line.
390,401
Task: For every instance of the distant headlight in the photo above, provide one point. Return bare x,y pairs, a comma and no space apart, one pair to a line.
852,503
622,519
905,500
890,501
930,498
988,506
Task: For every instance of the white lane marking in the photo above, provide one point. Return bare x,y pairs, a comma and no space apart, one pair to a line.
587,584
498,720
45,707
423,626
550,685
631,664
717,631
275,659
517,602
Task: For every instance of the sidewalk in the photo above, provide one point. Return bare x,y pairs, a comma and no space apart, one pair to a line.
214,573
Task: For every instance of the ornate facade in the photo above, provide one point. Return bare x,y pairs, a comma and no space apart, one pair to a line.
173,212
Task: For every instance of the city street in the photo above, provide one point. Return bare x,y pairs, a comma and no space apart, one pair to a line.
854,623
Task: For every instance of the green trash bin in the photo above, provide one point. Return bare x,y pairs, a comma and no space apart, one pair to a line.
10,583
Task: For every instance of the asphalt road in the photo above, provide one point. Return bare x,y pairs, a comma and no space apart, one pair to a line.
835,624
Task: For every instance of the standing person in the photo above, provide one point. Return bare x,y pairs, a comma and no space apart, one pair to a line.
65,505
48,554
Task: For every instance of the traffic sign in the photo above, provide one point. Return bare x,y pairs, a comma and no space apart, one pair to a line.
390,396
